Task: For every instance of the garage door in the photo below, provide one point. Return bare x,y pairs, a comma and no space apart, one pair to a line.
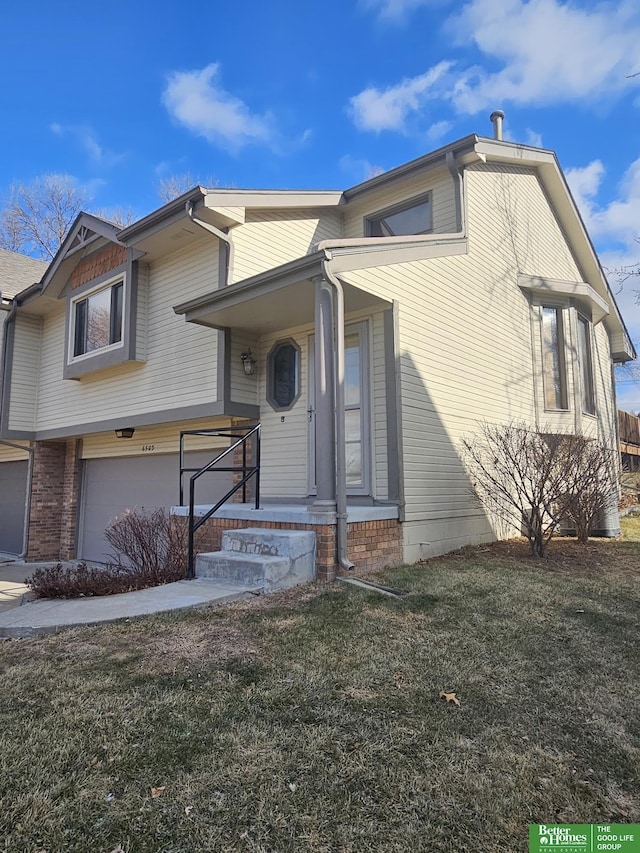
13,494
112,485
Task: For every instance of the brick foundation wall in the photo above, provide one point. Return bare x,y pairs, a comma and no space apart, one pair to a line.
53,507
70,491
372,545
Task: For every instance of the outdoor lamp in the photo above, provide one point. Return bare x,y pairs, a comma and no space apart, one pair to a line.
125,432
248,363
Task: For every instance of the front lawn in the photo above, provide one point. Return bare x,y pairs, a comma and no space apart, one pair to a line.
311,720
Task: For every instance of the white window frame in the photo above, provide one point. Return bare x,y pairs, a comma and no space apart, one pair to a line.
407,204
562,355
363,329
581,317
87,294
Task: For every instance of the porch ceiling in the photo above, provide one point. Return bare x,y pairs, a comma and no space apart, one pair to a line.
279,305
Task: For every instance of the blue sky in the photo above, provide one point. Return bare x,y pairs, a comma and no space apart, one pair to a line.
323,94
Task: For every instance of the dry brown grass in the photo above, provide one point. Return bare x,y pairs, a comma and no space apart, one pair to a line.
311,720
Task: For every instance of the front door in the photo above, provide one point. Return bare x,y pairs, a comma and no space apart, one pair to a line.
356,403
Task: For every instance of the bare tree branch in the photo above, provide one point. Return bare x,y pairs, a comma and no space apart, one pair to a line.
36,216
534,480
175,185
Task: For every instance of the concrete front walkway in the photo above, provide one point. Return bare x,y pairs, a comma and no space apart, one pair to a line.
44,616
13,591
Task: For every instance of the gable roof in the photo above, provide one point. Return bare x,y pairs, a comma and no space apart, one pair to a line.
18,272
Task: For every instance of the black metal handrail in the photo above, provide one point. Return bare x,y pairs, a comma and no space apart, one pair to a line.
242,436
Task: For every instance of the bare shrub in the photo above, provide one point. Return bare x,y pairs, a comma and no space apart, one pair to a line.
153,544
535,480
590,476
148,549
77,581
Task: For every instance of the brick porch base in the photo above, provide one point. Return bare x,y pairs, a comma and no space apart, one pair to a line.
371,544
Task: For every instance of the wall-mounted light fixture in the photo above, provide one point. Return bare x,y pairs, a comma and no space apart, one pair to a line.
125,432
248,363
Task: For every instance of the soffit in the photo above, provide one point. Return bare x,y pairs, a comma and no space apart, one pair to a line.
279,305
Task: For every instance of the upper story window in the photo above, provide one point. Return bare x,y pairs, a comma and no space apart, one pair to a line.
97,319
410,217
585,362
554,367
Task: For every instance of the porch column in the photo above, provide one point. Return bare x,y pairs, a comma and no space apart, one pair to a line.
325,399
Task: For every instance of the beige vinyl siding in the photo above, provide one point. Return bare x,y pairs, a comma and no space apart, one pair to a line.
244,389
466,348
437,180
12,454
606,409
142,315
509,214
378,391
153,440
284,452
273,237
181,357
24,372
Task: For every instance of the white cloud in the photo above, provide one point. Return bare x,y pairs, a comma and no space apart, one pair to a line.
197,100
438,130
617,222
393,10
359,169
87,138
550,51
388,109
543,52
533,138
614,227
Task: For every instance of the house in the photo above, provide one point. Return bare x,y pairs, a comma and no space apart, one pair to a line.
17,273
384,322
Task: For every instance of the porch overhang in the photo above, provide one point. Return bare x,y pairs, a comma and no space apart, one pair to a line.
279,299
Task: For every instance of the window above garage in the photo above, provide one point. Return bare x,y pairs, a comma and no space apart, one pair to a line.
97,319
101,322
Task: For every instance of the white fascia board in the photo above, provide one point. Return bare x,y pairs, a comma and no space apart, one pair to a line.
349,255
579,290
273,198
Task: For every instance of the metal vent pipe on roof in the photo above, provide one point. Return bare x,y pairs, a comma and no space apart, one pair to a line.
496,117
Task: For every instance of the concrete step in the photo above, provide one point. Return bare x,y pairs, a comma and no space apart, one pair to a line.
269,543
261,558
241,569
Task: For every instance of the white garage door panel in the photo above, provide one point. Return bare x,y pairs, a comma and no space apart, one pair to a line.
112,485
13,493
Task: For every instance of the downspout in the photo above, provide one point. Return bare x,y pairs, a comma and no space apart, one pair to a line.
340,455
225,238
454,171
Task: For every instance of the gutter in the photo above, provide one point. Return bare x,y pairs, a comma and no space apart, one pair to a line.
340,454
224,238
